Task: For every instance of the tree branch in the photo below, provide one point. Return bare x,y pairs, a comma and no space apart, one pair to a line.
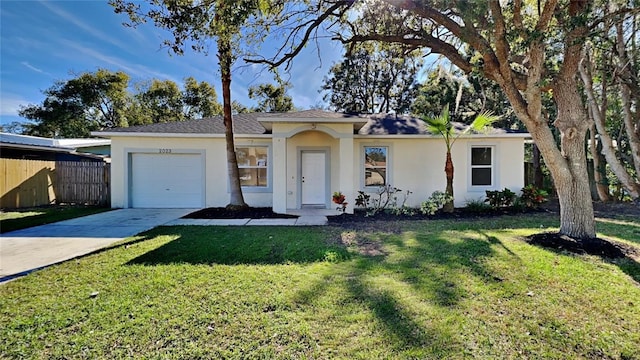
307,35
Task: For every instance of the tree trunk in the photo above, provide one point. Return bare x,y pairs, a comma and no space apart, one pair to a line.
538,176
634,142
571,176
599,170
608,149
448,170
236,200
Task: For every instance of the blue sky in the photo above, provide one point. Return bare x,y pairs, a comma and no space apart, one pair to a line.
45,41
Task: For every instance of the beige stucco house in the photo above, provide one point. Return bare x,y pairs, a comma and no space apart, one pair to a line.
298,159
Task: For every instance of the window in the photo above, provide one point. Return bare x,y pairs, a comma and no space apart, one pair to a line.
482,166
252,163
375,165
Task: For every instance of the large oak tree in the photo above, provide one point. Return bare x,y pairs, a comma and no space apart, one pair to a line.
528,48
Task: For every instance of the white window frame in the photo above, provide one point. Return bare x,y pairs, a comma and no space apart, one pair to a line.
493,166
255,188
363,162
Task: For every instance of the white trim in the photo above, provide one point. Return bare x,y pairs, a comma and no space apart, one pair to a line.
389,179
431,136
177,135
494,167
312,127
258,189
307,127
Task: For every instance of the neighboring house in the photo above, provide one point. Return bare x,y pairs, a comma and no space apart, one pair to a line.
14,146
298,159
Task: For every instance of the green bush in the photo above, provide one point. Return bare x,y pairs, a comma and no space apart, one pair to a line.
500,198
434,203
478,206
532,197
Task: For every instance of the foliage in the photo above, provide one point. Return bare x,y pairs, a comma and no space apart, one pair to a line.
200,99
443,126
339,199
443,289
500,198
74,108
532,197
373,78
271,98
384,198
435,202
477,206
99,100
160,102
472,95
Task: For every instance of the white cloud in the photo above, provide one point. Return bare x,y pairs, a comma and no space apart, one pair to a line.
82,25
134,70
29,66
10,104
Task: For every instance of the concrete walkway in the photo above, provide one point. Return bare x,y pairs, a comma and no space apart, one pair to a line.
23,251
29,249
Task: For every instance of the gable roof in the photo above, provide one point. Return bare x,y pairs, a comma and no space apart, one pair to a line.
260,123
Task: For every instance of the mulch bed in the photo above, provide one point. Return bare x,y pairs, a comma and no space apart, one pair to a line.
247,213
600,247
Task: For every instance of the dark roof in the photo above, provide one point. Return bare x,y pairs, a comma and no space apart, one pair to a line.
393,124
315,114
376,124
242,123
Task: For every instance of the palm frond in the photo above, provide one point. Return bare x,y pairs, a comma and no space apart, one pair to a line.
482,122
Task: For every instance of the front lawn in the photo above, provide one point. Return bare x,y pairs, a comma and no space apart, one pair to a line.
423,289
24,218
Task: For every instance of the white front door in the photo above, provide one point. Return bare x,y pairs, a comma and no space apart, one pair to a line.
313,169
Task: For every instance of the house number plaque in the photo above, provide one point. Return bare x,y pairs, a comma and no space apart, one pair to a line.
164,151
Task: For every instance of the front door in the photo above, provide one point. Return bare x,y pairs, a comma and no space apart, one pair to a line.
313,169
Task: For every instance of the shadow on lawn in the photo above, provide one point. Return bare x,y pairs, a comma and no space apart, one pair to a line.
259,245
421,274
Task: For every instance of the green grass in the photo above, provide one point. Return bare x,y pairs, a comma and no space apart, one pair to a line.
24,218
427,290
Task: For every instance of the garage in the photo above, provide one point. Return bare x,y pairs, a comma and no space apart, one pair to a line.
166,180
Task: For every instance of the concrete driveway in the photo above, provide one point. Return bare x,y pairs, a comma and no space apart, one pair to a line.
25,250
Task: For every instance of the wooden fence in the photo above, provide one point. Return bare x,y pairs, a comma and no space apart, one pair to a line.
82,182
27,183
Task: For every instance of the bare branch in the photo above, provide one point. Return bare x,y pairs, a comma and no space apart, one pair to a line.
313,26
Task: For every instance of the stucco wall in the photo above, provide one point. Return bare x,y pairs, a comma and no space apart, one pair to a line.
216,183
414,164
418,165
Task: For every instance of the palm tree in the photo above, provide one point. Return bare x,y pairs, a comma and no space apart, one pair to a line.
442,125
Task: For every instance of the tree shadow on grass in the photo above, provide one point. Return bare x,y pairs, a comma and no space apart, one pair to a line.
422,269
234,246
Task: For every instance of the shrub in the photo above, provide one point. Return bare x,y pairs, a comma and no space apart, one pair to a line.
386,198
500,198
478,206
532,197
435,202
403,210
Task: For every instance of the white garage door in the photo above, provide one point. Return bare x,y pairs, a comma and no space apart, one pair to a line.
166,181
